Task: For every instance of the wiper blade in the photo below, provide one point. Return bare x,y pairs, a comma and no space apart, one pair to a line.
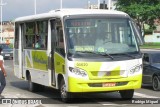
128,55
98,53
87,52
104,54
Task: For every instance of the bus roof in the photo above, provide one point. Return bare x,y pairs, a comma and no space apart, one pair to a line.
63,12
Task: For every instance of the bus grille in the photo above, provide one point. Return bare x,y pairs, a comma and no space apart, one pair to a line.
107,74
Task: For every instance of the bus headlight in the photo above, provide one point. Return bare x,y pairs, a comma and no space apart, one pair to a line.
135,69
78,71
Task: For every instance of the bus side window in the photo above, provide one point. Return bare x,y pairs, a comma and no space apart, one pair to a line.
16,36
146,59
29,34
57,36
41,34
60,41
28,41
60,45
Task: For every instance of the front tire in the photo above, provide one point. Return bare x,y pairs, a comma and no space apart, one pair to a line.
126,94
65,96
156,83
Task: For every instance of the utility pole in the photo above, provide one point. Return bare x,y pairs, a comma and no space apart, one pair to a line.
98,4
109,4
35,6
89,4
104,4
61,2
2,4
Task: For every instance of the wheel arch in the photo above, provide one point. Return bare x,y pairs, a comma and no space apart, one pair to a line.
27,74
59,78
155,74
157,86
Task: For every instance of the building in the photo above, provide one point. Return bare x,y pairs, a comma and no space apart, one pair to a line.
95,6
113,2
7,32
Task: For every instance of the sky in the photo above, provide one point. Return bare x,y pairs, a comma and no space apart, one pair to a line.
18,8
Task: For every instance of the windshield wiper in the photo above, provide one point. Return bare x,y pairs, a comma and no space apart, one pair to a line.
98,53
87,52
128,55
104,54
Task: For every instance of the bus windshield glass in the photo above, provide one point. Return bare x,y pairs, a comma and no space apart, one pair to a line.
101,35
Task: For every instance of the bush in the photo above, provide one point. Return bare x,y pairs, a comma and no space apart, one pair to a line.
148,31
151,45
11,45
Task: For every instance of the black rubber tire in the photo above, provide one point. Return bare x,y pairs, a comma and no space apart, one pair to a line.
32,86
65,96
126,94
156,83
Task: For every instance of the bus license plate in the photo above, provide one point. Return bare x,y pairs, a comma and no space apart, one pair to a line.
109,84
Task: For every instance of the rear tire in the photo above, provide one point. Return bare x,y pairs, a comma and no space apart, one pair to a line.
32,86
65,96
126,94
156,83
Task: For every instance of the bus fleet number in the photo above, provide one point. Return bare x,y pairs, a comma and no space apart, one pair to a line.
82,64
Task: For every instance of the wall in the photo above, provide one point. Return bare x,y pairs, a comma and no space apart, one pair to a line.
7,32
155,37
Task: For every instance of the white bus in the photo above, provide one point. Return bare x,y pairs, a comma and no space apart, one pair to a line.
78,51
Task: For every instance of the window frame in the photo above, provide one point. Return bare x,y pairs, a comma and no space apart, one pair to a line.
36,33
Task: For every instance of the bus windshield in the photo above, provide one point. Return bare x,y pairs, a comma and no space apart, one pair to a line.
101,35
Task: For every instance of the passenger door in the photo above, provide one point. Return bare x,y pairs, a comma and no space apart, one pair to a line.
57,49
22,48
18,50
53,45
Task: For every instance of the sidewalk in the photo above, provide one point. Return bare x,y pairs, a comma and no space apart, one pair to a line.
147,49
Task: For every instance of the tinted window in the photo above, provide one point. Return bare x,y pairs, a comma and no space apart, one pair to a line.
146,59
36,34
16,36
156,58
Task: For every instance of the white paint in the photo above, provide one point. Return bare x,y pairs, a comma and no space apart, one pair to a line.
144,95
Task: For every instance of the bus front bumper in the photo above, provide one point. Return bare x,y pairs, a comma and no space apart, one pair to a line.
81,85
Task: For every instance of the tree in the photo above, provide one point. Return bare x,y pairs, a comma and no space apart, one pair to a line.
143,11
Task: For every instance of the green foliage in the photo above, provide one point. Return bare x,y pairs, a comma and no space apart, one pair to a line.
11,45
148,31
151,45
141,10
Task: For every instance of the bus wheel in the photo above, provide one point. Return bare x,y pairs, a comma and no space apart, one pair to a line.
156,83
127,94
32,86
65,96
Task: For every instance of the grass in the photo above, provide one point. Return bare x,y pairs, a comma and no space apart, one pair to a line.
150,46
